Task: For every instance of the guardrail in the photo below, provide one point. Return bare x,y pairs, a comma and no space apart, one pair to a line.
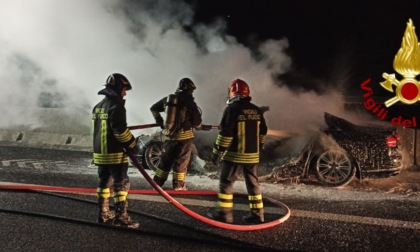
46,139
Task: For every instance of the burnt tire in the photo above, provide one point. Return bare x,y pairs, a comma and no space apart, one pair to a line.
334,168
151,155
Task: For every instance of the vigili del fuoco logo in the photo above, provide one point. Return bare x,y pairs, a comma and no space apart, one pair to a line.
405,90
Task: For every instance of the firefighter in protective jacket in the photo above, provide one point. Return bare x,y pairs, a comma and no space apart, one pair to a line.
111,138
238,145
182,116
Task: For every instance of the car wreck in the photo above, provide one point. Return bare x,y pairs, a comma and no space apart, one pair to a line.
340,152
334,156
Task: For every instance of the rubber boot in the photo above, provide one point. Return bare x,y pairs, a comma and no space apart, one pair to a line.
255,216
179,185
159,181
105,215
221,214
121,216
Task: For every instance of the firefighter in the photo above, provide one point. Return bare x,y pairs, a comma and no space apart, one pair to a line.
182,116
111,140
238,145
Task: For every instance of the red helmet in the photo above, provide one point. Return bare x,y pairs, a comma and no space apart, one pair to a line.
238,88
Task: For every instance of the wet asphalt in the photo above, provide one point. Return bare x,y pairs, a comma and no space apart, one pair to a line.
45,221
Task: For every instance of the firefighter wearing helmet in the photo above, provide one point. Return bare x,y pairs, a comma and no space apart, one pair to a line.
238,145
182,116
111,140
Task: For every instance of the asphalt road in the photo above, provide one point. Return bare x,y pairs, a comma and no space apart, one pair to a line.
322,219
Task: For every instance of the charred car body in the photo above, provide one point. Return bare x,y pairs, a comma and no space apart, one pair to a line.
151,147
343,151
334,155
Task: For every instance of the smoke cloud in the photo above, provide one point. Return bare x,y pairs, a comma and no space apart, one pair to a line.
58,54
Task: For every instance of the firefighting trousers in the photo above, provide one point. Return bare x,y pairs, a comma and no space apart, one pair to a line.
177,155
229,174
113,176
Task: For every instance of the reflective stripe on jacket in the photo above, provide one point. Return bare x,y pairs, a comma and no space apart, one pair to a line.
190,116
242,133
110,132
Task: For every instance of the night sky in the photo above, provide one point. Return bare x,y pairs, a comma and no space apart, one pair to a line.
353,40
333,46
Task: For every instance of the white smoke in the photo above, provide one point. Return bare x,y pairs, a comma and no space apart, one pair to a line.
60,53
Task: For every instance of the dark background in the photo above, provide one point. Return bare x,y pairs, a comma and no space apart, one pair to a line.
329,40
333,44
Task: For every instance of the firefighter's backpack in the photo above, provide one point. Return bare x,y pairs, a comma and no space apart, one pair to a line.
174,116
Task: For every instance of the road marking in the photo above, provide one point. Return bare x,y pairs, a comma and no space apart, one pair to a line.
22,164
357,219
203,203
26,163
295,213
38,165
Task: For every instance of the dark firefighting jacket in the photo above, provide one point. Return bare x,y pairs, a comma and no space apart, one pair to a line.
242,133
188,113
110,132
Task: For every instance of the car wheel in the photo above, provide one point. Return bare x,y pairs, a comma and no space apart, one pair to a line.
151,156
334,168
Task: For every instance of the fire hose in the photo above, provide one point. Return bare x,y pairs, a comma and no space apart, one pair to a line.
144,126
166,195
151,125
174,202
212,222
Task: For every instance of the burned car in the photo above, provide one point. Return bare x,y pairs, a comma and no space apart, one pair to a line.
335,155
150,149
341,152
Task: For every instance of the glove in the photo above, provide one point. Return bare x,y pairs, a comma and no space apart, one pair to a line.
261,149
206,127
216,159
159,121
135,150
